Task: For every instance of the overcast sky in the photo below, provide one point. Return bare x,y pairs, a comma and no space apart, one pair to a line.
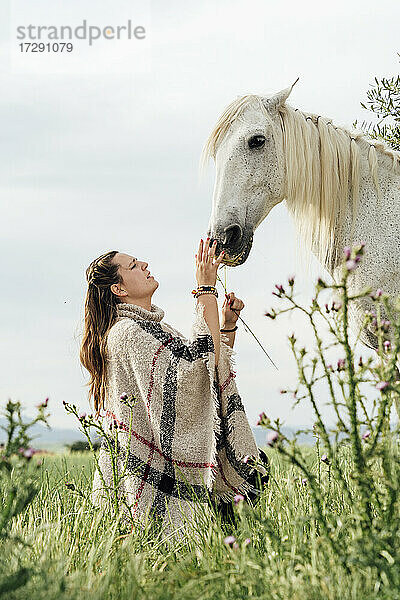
99,150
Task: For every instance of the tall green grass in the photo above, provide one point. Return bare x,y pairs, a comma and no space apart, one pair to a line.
76,551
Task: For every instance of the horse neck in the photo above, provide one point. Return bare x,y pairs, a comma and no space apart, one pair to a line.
371,207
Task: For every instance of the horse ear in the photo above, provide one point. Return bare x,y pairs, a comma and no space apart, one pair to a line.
277,100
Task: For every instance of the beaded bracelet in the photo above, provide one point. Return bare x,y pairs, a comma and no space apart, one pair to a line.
197,293
205,289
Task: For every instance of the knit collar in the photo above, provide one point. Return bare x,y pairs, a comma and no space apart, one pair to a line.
137,312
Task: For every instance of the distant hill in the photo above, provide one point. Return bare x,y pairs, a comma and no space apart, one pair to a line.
45,438
303,438
58,438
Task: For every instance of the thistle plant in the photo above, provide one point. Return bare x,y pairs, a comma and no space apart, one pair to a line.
361,439
18,487
16,428
110,436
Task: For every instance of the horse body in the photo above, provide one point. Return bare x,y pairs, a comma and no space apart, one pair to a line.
377,225
340,188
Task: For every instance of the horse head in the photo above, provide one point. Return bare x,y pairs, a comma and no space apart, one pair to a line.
247,146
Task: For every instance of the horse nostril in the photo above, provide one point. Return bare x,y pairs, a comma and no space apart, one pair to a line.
233,235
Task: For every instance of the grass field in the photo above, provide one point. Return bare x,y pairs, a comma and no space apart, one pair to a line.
76,551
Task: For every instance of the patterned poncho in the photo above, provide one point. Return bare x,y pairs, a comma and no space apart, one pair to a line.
189,432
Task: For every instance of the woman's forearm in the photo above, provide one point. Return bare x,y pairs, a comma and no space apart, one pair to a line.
212,319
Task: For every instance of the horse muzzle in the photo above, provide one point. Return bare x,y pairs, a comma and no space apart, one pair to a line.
236,243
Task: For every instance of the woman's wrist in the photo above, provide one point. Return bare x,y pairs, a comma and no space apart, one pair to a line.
228,325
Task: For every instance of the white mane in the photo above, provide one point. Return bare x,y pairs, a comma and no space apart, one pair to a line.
323,168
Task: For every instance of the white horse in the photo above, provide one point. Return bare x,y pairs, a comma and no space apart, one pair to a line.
340,187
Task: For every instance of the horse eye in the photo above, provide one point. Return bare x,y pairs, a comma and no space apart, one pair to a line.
257,141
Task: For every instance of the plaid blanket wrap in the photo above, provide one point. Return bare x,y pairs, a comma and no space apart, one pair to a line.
189,424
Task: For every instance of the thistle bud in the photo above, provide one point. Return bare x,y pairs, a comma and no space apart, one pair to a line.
347,252
272,438
262,419
382,385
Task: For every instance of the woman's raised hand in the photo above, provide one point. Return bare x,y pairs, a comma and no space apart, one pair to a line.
206,263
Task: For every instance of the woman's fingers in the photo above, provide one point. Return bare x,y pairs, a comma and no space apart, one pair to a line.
206,250
211,253
200,251
219,258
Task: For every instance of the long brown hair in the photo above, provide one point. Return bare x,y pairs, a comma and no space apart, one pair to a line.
100,316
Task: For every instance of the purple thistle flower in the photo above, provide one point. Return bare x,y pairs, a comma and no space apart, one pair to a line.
291,280
341,364
247,541
386,345
28,452
280,291
325,459
82,415
347,252
272,438
238,498
246,459
229,540
43,404
124,396
351,264
366,435
378,293
304,481
262,417
382,385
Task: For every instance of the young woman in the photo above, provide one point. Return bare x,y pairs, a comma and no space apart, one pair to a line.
188,438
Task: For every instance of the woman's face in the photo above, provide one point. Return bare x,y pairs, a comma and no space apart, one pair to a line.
136,283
